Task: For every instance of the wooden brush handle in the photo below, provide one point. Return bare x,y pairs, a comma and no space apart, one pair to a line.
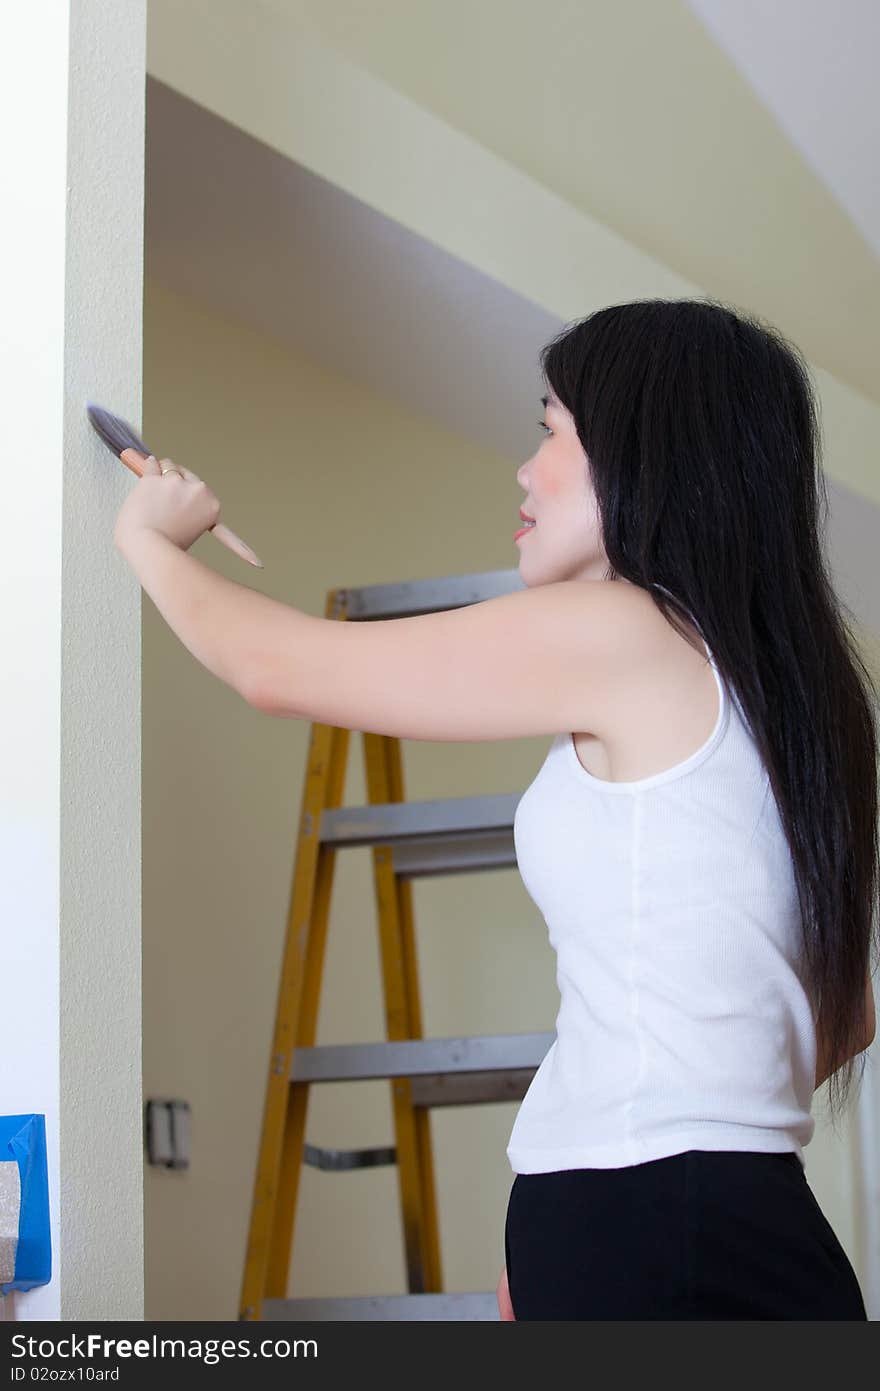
235,543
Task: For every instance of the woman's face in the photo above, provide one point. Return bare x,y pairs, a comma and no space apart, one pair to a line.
565,542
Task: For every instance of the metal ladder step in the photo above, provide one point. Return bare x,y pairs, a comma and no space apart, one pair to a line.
337,1160
405,599
419,1057
451,835
445,1072
398,1307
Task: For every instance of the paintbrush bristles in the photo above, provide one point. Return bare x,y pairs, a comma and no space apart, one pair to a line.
116,433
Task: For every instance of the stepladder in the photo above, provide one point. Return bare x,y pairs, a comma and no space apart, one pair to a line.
407,840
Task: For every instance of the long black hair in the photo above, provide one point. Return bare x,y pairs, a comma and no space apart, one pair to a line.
703,441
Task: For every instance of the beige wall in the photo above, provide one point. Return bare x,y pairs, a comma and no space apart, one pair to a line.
376,105
332,485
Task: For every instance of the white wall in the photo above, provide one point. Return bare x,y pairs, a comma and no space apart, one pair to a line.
71,251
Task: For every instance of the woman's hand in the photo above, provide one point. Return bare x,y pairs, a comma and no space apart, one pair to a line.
505,1308
181,508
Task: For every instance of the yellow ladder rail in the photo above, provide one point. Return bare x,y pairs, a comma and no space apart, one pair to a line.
408,839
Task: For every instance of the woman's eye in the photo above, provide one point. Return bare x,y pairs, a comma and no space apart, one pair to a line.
545,427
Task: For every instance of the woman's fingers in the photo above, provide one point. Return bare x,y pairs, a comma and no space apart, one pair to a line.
187,473
134,460
222,532
219,530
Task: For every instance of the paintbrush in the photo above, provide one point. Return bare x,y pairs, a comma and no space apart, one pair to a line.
118,435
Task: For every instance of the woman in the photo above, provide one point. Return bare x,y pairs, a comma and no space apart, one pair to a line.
695,916
701,837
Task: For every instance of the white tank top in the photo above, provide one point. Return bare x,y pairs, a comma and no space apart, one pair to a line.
684,1022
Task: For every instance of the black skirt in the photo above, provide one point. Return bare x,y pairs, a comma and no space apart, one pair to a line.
719,1234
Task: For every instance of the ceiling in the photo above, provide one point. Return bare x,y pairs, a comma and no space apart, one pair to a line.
234,223
773,202
733,143
814,66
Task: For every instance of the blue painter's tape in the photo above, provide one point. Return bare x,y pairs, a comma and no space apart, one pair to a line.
23,1138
